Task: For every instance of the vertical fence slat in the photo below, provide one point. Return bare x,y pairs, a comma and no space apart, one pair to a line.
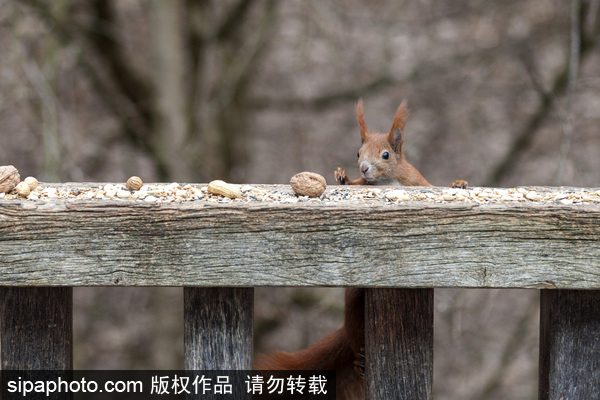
218,328
37,328
569,344
399,343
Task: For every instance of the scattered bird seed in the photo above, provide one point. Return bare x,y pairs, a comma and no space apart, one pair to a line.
175,192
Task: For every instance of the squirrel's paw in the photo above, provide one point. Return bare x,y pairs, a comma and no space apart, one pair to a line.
341,177
359,363
459,184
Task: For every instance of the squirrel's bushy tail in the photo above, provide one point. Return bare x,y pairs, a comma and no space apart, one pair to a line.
333,352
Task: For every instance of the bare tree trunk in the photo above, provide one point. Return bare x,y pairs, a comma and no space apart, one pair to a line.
171,127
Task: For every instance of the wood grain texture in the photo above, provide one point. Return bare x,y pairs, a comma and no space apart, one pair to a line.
399,344
412,244
36,328
569,345
218,328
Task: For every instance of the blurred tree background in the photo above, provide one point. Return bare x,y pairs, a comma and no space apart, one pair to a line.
503,93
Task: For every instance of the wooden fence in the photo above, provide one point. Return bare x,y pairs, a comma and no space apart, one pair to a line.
218,252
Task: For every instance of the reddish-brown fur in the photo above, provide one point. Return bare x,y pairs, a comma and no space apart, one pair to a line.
337,351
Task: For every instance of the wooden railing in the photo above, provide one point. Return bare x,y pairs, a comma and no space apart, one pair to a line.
218,252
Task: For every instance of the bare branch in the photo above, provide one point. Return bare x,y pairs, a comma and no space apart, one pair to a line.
232,23
526,57
120,87
327,100
92,62
524,139
102,37
567,115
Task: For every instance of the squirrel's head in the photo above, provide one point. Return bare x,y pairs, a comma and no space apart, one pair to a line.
381,154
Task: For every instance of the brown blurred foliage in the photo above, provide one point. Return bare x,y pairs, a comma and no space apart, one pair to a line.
502,93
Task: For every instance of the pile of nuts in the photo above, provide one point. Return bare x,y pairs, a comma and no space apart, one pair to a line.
9,180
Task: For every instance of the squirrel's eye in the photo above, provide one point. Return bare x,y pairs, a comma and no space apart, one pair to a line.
358,155
385,155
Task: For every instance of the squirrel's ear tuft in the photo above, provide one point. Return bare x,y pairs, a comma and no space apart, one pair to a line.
396,135
360,116
396,140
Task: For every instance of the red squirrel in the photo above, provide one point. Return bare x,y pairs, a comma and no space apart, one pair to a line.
381,158
381,162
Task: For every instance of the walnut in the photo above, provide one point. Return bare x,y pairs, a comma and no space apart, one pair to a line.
308,184
9,177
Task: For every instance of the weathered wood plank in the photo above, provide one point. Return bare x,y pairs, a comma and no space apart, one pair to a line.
36,328
399,344
218,328
415,244
569,345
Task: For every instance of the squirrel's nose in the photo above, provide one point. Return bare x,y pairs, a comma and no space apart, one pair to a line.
364,167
